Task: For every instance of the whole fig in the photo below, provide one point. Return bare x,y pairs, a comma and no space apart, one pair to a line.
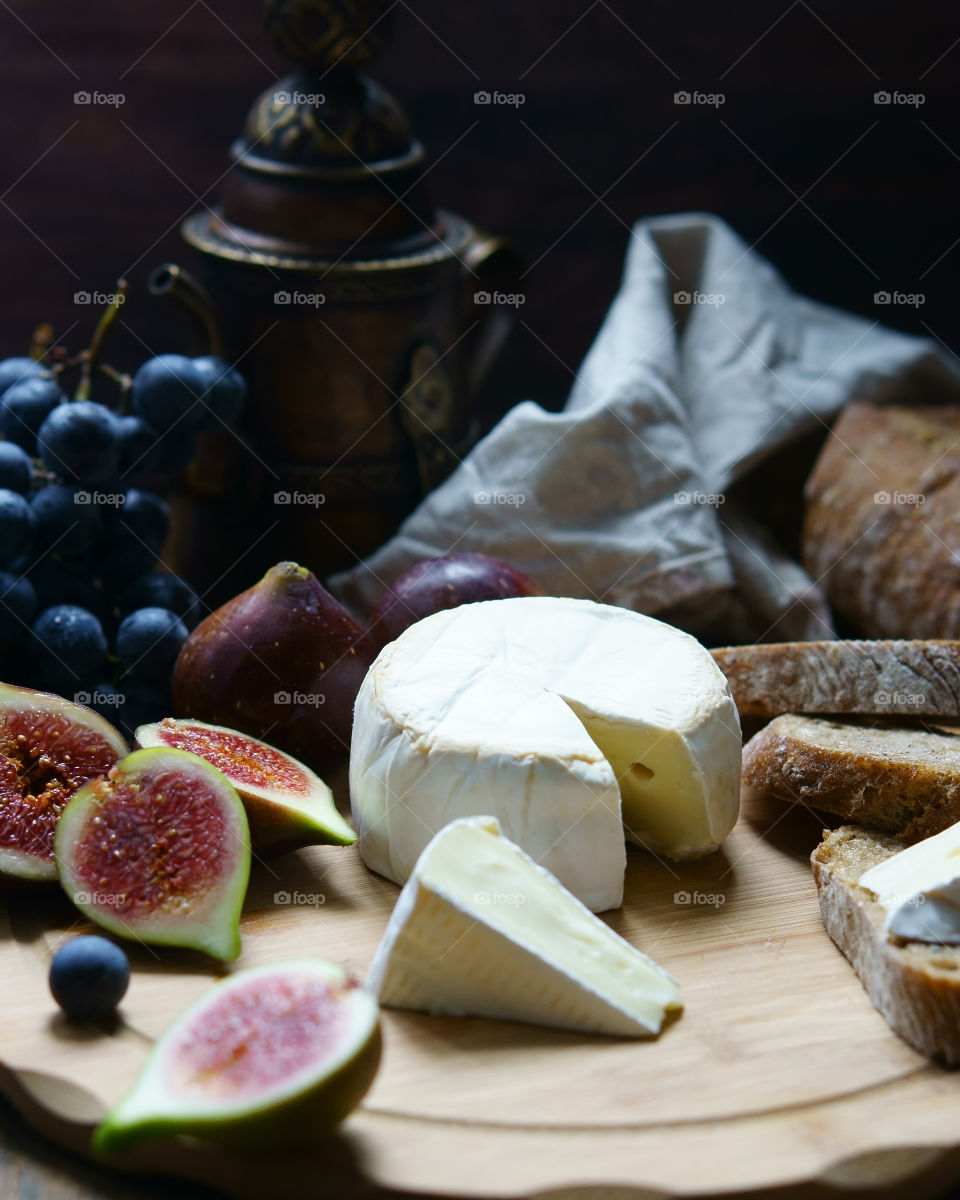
282,661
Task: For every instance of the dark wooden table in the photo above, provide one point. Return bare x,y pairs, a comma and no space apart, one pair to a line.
33,1168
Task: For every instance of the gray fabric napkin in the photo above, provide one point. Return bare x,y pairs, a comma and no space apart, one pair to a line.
707,363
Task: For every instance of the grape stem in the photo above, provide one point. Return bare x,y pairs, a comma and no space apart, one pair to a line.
120,378
100,334
41,342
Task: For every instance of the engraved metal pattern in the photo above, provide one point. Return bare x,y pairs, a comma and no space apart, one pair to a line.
347,282
320,34
427,408
318,123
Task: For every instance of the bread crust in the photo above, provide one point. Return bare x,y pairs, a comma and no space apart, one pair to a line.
916,987
880,531
883,678
901,780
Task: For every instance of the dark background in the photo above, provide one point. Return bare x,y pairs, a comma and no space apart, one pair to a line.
847,197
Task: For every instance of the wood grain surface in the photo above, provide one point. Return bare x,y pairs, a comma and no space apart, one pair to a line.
779,1072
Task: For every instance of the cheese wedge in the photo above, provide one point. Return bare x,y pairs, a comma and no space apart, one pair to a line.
481,930
546,711
919,889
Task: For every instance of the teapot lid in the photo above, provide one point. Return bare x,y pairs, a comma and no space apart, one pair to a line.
326,164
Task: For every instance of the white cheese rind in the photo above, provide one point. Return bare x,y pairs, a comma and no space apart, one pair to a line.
481,930
532,708
919,889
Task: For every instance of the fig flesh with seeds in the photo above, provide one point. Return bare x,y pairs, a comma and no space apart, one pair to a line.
270,1057
158,851
287,804
49,749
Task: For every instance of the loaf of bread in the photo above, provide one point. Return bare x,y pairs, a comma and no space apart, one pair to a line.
903,780
915,986
883,678
881,531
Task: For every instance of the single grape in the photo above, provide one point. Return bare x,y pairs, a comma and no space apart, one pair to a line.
68,646
143,517
137,443
166,392
65,523
148,642
25,407
89,976
224,392
16,370
18,526
66,582
79,440
18,607
162,590
16,469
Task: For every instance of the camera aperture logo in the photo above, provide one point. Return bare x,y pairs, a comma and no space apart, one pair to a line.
301,99
500,99
100,499
100,99
300,699
900,99
300,499
100,699
713,299
500,498
908,499
899,699
903,299
100,299
709,499
300,299
101,899
502,299
299,899
699,899
509,899
700,99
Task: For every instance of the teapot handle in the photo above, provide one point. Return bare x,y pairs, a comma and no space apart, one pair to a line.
493,265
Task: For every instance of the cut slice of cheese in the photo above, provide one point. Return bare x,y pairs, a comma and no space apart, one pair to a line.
543,711
481,930
919,888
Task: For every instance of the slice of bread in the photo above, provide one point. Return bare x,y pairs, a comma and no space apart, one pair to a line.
903,780
880,527
915,986
884,678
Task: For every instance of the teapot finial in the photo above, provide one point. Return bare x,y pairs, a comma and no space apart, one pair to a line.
321,35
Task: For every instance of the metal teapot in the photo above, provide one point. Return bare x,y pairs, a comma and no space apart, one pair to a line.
354,309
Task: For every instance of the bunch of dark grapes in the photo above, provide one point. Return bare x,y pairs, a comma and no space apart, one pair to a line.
84,611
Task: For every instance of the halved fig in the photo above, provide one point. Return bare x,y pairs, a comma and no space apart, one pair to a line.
287,804
159,851
274,1056
49,748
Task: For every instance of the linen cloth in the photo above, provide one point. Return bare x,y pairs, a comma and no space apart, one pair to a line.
706,363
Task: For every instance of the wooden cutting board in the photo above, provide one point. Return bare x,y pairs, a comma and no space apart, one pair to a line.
778,1074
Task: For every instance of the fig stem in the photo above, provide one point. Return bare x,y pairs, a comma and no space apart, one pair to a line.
100,334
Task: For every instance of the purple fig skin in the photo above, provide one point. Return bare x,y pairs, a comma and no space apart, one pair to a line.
447,582
283,661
